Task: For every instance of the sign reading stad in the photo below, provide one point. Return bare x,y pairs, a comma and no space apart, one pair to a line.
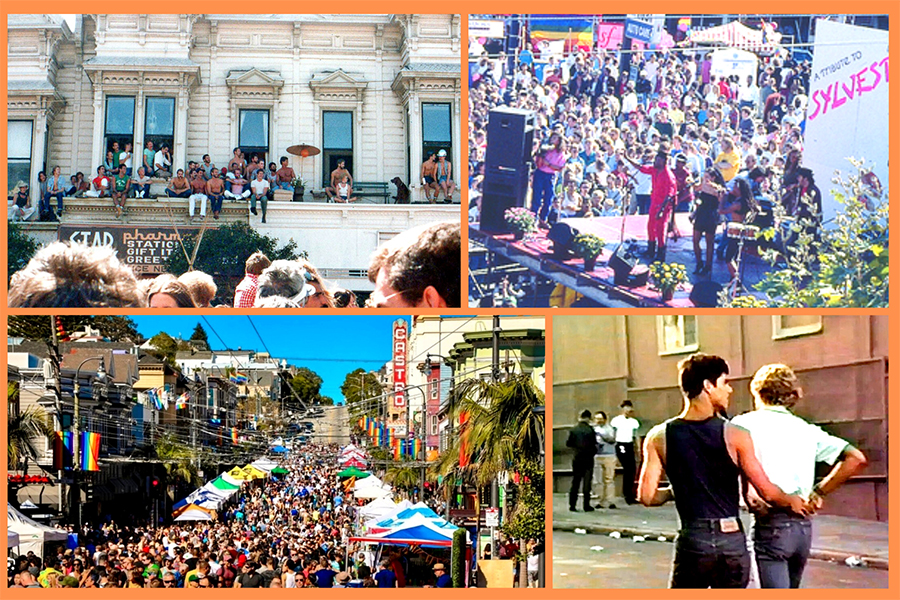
400,346
144,249
847,114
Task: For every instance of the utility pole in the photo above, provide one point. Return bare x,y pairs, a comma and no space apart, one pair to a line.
495,371
53,371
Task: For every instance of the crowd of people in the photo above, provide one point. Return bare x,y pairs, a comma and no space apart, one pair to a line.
289,531
203,183
419,267
677,138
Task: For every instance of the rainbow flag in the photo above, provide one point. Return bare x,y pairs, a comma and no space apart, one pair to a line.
181,401
238,377
234,435
416,449
574,31
62,449
90,451
370,426
395,445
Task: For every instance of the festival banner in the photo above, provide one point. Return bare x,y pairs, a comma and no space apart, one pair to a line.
90,451
574,31
62,449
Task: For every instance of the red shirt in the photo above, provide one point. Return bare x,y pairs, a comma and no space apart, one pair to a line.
663,183
245,293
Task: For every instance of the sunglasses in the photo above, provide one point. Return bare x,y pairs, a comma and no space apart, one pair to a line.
168,581
373,302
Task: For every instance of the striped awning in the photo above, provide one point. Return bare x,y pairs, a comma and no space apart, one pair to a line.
737,35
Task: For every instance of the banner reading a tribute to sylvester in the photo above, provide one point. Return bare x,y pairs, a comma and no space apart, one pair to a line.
847,115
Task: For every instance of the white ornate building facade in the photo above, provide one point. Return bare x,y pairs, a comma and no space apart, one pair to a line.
378,91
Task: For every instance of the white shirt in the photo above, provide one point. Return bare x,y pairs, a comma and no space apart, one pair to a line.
160,161
625,428
788,447
259,187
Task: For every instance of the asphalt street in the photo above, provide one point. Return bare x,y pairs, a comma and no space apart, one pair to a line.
623,563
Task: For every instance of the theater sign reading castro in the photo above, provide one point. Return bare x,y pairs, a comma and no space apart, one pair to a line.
378,92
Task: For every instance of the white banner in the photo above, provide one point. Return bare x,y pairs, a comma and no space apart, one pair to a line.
486,29
847,115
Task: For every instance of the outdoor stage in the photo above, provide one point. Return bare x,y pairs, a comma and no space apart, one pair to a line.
535,252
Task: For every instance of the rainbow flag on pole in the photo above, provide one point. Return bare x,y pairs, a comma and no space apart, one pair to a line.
62,449
238,377
575,32
181,401
90,451
234,435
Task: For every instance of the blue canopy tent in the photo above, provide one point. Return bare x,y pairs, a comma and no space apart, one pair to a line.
417,530
280,449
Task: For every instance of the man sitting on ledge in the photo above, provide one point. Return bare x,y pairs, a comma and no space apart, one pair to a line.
99,185
162,162
215,190
178,187
141,184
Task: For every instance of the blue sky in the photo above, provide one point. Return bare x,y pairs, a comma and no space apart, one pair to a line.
332,346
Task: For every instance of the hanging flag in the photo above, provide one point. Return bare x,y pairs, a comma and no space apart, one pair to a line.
370,426
234,435
90,451
574,32
464,440
61,334
238,377
395,446
182,401
417,449
62,449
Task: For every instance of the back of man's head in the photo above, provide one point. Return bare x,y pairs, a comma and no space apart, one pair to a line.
420,258
64,275
697,368
201,286
775,385
585,415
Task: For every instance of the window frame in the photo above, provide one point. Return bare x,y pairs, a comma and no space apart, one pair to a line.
261,151
157,139
122,138
684,348
331,156
436,145
780,332
19,160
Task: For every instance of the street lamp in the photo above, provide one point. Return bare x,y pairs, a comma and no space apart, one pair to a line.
76,441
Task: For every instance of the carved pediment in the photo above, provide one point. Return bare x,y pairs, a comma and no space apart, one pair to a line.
254,78
338,85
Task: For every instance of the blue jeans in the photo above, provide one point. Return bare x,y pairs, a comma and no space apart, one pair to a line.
782,543
541,194
142,188
284,185
45,203
216,202
705,557
184,194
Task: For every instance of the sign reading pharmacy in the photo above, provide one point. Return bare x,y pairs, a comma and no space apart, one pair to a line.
144,249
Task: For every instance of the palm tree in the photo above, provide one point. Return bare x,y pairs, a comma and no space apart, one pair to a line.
178,459
402,476
502,428
24,430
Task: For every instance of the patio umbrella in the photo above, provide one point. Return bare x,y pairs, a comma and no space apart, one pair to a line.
303,150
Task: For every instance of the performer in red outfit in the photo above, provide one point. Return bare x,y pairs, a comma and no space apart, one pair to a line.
662,203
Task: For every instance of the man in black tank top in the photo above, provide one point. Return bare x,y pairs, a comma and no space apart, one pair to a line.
704,457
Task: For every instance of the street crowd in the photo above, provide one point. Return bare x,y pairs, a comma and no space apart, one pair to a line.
286,532
419,267
677,137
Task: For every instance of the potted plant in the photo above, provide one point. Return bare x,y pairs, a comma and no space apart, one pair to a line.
520,221
588,246
665,277
299,188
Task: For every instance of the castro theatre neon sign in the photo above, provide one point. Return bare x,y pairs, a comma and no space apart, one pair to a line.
400,345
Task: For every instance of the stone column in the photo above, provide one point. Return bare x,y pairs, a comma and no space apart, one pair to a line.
97,151
415,133
38,144
139,120
179,152
457,140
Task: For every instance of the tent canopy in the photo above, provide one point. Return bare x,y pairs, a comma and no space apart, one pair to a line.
239,474
32,535
373,491
192,512
254,473
417,530
279,449
736,35
280,471
353,472
12,539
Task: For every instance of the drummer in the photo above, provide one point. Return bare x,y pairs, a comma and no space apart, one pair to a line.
735,204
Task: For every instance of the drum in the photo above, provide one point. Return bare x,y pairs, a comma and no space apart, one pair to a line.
738,231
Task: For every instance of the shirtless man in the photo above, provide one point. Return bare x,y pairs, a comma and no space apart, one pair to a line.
237,163
198,193
428,181
337,176
179,187
285,175
443,174
215,190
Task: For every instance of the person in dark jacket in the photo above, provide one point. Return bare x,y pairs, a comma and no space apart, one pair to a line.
583,441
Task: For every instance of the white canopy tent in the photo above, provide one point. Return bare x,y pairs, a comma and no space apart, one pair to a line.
32,535
383,508
373,491
12,539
